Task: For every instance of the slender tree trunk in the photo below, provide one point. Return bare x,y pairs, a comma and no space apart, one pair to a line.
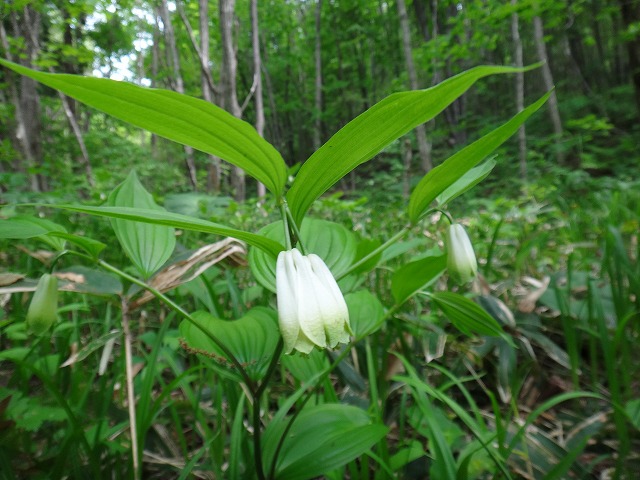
257,73
630,10
228,81
26,99
214,172
174,62
517,55
317,130
424,146
552,104
206,79
84,161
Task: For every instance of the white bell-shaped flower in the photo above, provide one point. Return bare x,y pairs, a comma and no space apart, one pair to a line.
311,308
461,259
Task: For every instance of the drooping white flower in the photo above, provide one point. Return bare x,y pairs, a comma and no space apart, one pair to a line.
311,308
461,259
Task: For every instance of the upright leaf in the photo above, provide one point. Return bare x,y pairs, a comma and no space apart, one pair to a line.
148,246
178,117
366,135
443,176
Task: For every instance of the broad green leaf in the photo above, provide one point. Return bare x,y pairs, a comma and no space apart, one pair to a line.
148,246
466,182
92,247
252,339
178,117
451,170
366,313
414,276
632,409
305,367
322,438
364,248
466,315
367,134
176,220
22,227
330,241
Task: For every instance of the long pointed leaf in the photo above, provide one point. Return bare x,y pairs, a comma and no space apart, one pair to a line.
443,176
366,135
177,220
178,117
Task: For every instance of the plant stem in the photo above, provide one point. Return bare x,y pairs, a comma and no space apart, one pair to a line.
375,252
294,226
131,397
257,395
285,223
243,373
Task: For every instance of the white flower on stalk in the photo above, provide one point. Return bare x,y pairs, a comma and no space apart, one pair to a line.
311,309
461,260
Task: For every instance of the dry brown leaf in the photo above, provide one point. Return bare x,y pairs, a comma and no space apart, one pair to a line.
184,271
10,278
528,303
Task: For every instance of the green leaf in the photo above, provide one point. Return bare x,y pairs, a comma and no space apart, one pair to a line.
178,117
252,339
366,313
466,315
148,246
305,368
414,276
330,241
466,182
23,227
158,217
322,438
632,409
92,247
367,134
443,176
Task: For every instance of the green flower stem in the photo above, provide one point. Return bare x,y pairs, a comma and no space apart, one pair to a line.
256,396
250,383
375,252
285,223
294,226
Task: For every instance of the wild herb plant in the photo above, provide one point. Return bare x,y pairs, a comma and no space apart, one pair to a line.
268,363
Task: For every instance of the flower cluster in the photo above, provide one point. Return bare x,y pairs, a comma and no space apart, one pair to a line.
311,309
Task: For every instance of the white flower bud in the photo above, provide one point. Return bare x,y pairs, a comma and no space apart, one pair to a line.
461,260
311,308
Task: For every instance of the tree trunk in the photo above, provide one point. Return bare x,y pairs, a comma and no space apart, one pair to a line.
317,129
552,104
174,63
517,56
228,81
83,159
257,73
26,99
424,146
630,10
